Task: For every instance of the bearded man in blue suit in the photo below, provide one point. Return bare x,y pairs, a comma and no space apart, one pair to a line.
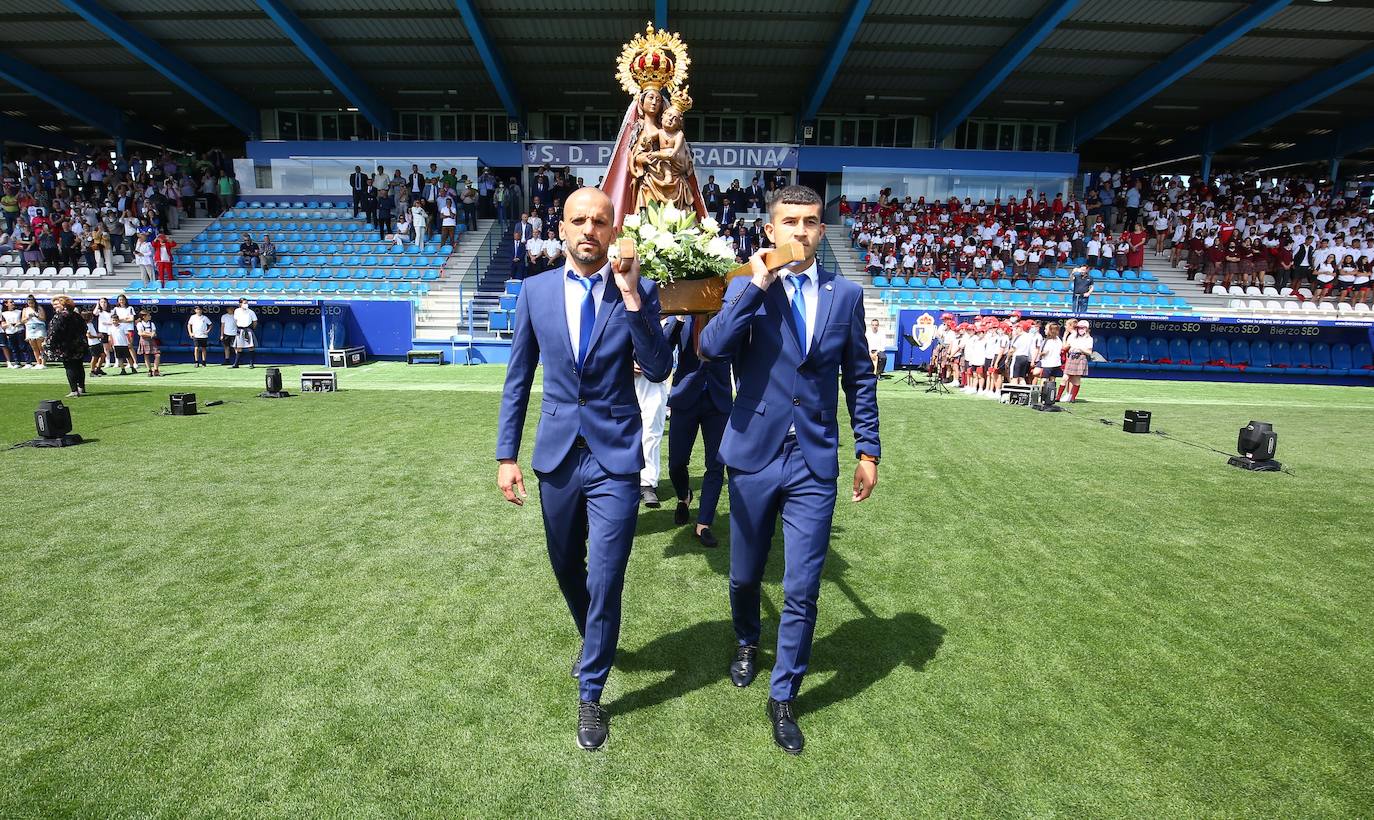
590,326
792,343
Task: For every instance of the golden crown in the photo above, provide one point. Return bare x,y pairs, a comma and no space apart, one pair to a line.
682,101
654,59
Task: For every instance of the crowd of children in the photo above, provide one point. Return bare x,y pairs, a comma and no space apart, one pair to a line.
980,356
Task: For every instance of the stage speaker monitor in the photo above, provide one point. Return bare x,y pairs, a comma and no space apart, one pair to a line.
319,381
1137,421
182,404
53,419
1257,441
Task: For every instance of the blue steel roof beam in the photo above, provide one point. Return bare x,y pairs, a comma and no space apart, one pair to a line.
77,102
26,133
496,68
996,70
343,78
1125,99
660,14
834,58
1348,140
211,94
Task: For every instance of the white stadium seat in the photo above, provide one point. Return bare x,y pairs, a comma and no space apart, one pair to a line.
79,284
1286,292
27,286
1326,307
1251,290
1305,293
46,284
1343,307
1308,306
1273,304
12,286
1292,306
1361,307
66,272
50,271
1236,304
6,260
1236,290
1254,304
82,271
1270,290
16,273
33,273
99,272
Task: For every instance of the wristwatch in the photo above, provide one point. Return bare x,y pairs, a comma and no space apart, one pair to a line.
867,457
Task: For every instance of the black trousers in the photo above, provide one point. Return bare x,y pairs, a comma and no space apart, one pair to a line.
76,374
357,202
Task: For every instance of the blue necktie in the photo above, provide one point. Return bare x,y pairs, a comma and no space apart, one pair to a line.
799,309
584,330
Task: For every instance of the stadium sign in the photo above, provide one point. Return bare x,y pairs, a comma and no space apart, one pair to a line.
715,155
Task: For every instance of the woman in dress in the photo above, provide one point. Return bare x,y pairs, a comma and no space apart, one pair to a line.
1325,273
35,330
66,343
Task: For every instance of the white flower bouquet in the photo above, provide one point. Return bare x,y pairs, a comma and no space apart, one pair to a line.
673,245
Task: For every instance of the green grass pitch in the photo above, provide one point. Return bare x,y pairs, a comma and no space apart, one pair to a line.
321,606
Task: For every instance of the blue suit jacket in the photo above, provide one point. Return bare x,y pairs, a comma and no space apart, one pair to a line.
695,381
776,387
599,401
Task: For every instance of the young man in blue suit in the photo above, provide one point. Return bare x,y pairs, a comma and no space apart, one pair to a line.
792,343
700,400
590,326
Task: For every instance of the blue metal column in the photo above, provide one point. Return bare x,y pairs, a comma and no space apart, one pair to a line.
995,71
834,58
1207,169
496,69
343,78
660,14
1333,171
1122,101
214,96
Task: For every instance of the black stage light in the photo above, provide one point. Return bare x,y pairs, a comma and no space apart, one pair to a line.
182,404
54,422
274,390
1136,421
1256,444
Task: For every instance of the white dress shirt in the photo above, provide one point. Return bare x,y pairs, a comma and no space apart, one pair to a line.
573,294
810,291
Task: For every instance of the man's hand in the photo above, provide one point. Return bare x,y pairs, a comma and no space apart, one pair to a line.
762,276
511,482
865,479
627,279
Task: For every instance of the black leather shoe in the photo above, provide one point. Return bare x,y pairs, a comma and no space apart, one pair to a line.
649,498
577,661
742,669
594,725
786,733
707,538
682,516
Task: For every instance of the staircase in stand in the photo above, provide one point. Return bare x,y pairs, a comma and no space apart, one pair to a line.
443,312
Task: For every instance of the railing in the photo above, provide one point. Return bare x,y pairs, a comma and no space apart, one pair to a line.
827,257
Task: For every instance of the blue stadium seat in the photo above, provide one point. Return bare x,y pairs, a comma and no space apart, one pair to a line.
1158,348
1342,360
1042,285
1361,359
1130,275
271,336
879,281
1321,356
1299,355
1138,348
1179,352
1240,352
1116,349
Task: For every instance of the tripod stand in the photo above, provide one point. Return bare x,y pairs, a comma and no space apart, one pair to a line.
935,384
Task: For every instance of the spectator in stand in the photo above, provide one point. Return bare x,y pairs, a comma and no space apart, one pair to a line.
66,343
198,331
448,219
358,183
268,253
227,197
516,254
102,249
1106,199
384,208
419,220
1082,288
468,200
162,255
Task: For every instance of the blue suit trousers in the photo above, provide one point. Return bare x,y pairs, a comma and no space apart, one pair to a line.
807,504
589,525
682,438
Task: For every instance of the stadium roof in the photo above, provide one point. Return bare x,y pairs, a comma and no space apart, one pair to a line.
1137,81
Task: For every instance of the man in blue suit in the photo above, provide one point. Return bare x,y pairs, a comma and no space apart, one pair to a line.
792,343
700,401
590,326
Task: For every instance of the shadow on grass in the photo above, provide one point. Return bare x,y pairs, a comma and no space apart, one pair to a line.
860,652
